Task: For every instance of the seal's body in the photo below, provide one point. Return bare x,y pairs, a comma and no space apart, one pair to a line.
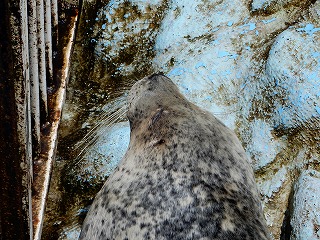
184,176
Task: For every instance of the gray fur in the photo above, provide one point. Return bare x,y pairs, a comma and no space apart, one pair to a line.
184,176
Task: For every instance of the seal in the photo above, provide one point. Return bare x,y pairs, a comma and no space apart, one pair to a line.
184,176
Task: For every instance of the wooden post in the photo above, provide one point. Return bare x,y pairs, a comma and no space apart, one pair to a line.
34,74
25,56
55,20
15,144
48,39
42,62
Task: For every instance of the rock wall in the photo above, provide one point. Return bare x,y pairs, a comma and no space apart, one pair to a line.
305,219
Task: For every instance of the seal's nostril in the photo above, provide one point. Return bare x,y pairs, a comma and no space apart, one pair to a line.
155,75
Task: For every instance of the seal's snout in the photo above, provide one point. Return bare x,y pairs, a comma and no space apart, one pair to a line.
155,76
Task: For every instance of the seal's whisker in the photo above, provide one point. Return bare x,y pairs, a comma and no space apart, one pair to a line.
119,92
103,129
129,83
105,121
226,113
100,119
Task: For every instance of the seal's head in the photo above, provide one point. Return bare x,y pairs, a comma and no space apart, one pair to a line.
150,95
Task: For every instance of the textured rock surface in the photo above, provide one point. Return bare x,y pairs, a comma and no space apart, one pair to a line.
272,6
305,220
256,66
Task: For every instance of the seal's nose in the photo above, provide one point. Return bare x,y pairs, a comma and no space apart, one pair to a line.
155,75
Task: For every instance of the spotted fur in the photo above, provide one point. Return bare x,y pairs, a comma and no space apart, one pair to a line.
184,176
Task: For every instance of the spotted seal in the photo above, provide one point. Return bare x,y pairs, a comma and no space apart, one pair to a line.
184,176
